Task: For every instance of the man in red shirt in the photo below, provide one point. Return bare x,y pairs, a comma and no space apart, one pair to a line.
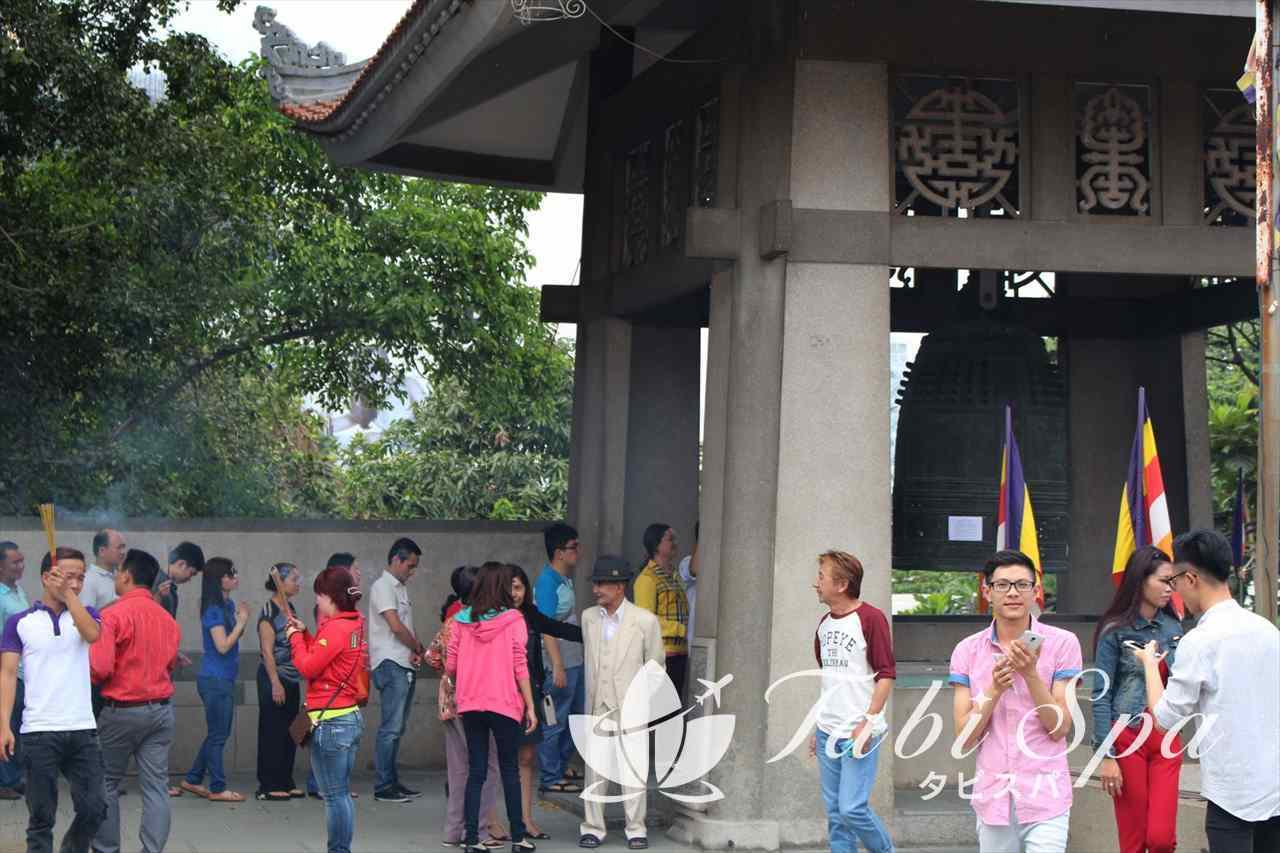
131,664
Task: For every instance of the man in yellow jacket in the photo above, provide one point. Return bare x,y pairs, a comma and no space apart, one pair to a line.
658,589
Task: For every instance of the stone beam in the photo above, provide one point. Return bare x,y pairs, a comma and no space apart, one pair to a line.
867,237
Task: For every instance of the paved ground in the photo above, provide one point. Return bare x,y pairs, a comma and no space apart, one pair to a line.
298,825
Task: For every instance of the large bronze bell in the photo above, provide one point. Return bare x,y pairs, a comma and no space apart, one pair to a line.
950,436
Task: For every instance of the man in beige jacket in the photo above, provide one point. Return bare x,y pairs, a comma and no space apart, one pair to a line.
620,641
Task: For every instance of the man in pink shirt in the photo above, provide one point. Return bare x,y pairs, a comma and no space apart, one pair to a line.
1011,702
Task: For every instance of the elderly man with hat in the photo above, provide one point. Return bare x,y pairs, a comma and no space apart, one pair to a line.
620,641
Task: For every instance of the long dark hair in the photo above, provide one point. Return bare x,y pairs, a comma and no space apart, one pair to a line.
653,538
1142,564
518,573
461,579
211,594
492,590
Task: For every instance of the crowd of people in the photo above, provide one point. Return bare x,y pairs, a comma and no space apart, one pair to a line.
86,687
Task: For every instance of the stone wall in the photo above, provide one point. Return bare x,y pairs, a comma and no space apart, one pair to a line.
253,545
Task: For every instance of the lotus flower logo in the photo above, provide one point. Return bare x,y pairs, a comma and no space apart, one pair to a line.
616,745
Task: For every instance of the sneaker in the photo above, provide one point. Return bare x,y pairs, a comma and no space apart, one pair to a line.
391,795
409,792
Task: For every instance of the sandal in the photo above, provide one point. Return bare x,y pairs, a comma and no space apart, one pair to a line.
297,794
175,792
198,790
562,788
273,796
537,836
492,843
226,797
572,774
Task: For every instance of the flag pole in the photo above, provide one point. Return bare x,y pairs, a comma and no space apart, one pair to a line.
1268,531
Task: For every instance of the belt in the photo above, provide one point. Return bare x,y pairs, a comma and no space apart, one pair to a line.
111,703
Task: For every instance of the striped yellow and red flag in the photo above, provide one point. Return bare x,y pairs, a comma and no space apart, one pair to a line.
1015,522
1144,510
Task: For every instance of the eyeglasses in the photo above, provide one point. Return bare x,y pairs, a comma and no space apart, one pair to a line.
1003,587
572,546
1170,580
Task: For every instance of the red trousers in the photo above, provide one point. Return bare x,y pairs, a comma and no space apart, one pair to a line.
1147,808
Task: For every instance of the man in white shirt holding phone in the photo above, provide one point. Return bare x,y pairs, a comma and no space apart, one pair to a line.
1226,669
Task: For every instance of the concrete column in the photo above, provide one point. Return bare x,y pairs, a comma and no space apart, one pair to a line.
1103,376
662,435
1195,415
711,496
807,440
598,452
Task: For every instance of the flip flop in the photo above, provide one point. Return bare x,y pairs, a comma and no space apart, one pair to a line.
538,836
198,790
226,797
563,788
297,794
175,792
573,774
273,796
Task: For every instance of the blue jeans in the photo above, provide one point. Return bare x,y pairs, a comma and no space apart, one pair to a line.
77,756
395,687
846,788
11,770
333,754
218,696
557,743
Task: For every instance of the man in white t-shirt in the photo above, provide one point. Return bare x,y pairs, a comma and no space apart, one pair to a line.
688,572
855,651
109,548
51,639
394,655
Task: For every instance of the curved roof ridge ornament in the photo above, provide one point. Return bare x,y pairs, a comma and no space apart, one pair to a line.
296,71
528,11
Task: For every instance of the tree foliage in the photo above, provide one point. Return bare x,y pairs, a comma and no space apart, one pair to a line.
456,459
167,270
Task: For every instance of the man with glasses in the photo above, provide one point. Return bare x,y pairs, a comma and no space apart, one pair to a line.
553,595
1226,669
1010,702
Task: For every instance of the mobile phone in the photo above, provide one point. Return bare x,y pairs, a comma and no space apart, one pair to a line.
1032,639
549,710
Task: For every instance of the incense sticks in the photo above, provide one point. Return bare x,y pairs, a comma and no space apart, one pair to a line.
46,518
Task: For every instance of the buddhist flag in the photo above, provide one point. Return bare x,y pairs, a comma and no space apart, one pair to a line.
1144,511
1247,84
1015,522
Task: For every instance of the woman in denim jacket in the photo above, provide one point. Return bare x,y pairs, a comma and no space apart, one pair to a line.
1142,782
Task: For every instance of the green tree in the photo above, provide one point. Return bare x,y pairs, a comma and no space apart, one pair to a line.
150,252
459,459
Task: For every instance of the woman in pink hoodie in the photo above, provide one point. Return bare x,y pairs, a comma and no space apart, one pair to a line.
490,672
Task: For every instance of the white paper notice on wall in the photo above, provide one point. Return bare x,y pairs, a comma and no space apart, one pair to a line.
964,528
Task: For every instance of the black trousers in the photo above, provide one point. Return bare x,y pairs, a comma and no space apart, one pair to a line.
1229,834
77,756
479,725
678,671
276,750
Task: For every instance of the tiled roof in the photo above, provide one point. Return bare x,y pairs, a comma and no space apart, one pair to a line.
319,111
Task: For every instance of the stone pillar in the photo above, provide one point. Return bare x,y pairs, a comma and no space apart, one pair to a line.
598,450
662,435
711,495
1103,376
1195,414
807,440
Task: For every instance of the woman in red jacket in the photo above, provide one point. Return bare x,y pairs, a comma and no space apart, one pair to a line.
331,662
488,664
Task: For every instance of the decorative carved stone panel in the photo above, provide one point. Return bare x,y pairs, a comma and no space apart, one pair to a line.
675,182
957,142
706,153
637,187
1230,165
1113,149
